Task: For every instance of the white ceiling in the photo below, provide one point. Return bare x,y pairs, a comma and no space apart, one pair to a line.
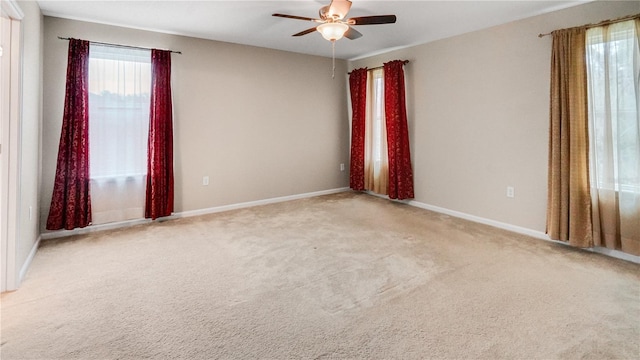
251,23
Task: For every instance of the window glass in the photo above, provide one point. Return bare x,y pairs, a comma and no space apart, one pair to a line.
119,89
614,125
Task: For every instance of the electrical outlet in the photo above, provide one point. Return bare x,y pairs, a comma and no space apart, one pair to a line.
205,180
510,192
341,167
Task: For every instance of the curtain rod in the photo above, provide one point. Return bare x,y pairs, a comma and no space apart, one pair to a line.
119,45
602,23
404,62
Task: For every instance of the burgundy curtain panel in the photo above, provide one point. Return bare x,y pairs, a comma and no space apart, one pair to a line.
358,89
70,202
400,173
159,194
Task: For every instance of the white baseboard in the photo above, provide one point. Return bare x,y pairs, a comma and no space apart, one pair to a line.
521,230
27,262
92,228
256,203
183,214
616,254
481,220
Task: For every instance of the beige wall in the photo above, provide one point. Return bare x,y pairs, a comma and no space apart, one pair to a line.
478,114
263,123
28,228
260,123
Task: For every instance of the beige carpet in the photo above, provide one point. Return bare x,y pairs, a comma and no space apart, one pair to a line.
341,276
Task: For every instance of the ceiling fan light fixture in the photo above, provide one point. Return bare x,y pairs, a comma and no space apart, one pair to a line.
332,31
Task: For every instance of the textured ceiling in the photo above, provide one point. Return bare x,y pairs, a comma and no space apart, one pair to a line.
251,23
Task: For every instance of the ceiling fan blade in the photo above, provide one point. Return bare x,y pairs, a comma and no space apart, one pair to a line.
308,31
296,17
372,20
339,8
352,34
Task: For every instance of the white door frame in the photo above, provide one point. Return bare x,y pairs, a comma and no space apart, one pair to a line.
10,114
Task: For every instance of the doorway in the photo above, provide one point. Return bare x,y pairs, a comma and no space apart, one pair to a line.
9,124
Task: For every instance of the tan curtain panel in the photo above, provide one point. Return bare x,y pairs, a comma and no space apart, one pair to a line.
569,201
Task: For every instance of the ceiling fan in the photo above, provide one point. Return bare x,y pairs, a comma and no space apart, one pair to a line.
333,25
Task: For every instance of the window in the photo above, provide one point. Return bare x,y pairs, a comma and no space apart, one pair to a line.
380,155
613,73
119,87
614,124
376,163
119,101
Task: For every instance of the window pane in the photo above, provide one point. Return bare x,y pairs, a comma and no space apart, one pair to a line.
119,88
613,74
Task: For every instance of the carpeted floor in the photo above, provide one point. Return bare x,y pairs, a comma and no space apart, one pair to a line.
340,276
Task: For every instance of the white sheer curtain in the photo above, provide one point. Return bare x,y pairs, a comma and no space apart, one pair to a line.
613,70
376,164
119,88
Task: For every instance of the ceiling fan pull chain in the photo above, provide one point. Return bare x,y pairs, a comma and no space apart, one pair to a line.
333,58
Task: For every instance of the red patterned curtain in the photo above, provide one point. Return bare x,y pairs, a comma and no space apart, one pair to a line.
71,203
358,87
400,173
159,197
